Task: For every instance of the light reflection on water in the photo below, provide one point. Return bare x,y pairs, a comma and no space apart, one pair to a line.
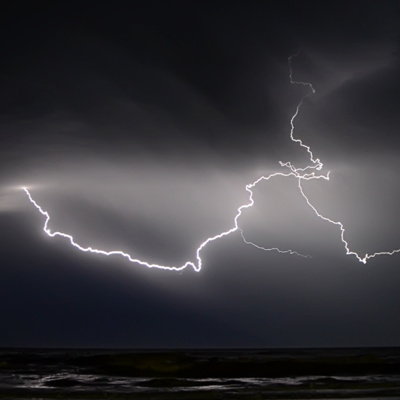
182,374
66,381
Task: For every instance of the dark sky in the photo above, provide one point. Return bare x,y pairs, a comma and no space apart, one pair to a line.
137,126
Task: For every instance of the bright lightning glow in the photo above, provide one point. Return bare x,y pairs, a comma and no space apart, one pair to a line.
306,173
196,267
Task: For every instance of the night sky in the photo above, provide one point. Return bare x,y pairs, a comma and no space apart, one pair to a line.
137,126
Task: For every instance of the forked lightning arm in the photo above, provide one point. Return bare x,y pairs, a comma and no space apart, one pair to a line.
307,173
196,266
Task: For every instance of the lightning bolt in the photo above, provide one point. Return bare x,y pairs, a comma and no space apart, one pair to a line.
309,172
317,165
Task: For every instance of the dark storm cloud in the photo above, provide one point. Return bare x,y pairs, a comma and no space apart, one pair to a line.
362,114
208,76
138,125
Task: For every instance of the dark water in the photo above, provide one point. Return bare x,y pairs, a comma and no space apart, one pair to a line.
200,374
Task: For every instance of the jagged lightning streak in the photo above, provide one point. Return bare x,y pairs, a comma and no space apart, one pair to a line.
196,267
306,173
317,165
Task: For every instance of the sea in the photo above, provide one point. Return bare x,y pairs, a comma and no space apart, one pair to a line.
363,373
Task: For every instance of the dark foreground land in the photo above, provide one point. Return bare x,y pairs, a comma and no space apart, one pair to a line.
200,374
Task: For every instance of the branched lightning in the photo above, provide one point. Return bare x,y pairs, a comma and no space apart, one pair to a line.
307,173
317,165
